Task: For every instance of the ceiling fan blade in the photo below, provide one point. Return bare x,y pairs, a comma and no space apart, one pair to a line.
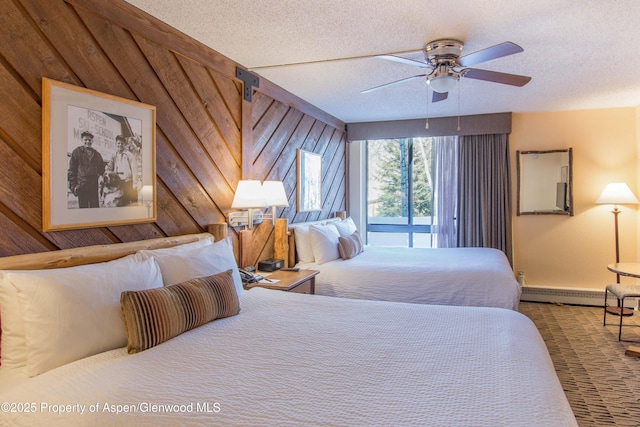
404,60
496,77
392,83
437,96
493,52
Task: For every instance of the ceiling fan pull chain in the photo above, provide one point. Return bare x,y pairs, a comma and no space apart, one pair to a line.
426,125
458,105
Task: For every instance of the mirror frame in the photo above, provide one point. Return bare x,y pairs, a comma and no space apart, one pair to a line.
569,212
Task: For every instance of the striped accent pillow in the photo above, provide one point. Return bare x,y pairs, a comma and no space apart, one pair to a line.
154,316
350,246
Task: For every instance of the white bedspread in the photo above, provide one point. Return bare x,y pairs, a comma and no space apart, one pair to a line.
480,277
299,360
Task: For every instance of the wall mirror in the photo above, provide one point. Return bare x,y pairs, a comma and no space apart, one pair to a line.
544,182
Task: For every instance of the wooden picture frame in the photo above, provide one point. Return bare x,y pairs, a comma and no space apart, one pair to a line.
98,159
309,181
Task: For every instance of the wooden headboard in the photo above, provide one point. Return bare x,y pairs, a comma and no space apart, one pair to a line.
101,253
284,245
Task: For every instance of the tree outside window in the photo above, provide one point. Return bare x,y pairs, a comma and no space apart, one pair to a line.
399,191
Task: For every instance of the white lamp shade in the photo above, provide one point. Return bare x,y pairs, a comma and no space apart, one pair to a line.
617,193
274,193
443,84
249,195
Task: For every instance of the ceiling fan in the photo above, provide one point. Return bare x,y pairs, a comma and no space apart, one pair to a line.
445,67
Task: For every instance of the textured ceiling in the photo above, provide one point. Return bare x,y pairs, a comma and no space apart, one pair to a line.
581,54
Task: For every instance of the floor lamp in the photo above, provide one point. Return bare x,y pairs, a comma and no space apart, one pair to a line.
617,193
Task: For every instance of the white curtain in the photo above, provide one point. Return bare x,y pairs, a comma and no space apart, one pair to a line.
445,192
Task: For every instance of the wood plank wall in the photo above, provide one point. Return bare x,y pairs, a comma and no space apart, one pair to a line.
208,138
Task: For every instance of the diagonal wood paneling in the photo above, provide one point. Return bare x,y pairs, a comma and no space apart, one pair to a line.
278,131
203,147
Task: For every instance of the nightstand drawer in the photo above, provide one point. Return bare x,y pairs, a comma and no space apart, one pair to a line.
303,288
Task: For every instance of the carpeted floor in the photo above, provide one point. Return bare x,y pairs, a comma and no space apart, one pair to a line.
601,383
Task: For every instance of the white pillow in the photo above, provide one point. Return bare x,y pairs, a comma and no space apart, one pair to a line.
14,351
324,242
175,250
303,243
72,313
346,227
178,267
167,253
331,220
14,346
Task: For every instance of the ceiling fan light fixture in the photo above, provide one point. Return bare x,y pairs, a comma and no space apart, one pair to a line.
443,83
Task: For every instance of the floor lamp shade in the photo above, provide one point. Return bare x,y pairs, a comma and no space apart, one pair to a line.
617,193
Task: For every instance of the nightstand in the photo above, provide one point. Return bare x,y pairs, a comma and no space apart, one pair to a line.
302,282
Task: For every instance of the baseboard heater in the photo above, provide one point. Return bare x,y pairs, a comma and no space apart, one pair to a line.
571,296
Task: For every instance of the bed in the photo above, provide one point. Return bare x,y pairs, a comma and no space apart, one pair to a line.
479,277
290,359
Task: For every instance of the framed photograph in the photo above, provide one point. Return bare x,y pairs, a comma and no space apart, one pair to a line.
98,158
309,181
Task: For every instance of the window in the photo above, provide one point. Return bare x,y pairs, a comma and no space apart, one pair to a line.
399,192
